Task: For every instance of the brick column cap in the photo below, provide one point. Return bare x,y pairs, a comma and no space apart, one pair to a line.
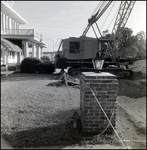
93,75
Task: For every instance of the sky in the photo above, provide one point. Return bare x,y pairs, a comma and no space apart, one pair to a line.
57,20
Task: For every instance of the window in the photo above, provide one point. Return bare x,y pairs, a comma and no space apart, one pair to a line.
29,45
74,47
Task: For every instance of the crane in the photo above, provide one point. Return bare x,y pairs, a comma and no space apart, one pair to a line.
94,18
123,14
120,22
78,53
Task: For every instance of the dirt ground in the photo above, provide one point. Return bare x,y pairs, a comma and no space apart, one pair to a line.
24,96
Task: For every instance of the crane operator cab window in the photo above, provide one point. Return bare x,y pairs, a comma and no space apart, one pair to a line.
74,47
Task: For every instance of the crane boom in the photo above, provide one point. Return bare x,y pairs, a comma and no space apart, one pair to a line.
78,53
95,17
125,9
122,18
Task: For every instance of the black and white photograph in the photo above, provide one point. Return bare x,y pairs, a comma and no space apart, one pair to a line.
73,74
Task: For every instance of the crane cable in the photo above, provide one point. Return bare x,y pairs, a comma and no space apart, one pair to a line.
92,14
113,19
98,8
107,118
107,16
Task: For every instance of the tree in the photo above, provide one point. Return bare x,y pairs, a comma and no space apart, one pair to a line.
129,45
141,44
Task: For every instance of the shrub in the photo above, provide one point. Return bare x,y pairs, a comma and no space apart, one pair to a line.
44,67
28,64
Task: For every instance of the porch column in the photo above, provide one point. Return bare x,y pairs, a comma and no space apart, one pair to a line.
26,50
18,61
17,31
2,26
38,51
4,55
10,23
18,26
15,25
4,22
41,52
33,50
18,58
6,60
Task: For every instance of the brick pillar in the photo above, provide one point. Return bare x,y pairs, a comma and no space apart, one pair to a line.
105,87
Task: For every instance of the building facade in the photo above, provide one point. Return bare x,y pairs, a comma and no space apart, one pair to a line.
51,55
16,43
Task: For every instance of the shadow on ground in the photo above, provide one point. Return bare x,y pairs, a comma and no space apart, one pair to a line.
54,135
62,134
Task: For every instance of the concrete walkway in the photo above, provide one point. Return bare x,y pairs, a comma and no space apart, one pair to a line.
5,144
6,73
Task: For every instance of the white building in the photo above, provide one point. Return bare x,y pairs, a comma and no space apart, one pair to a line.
51,55
16,43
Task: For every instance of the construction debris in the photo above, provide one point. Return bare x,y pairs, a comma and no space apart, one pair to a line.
65,79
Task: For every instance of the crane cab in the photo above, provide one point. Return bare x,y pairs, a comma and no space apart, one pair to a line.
81,48
77,52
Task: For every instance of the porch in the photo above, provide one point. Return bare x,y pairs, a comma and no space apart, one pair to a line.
29,34
9,69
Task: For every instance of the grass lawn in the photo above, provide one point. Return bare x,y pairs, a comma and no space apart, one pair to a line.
35,114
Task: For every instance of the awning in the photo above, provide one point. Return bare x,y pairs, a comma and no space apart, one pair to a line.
10,46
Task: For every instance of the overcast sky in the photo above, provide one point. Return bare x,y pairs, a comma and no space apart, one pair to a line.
62,19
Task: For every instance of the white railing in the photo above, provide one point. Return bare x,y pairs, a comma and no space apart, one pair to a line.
25,32
19,31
